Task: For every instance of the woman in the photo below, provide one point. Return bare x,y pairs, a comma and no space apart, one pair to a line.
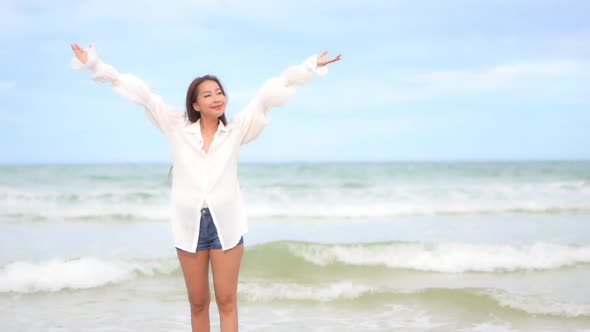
208,215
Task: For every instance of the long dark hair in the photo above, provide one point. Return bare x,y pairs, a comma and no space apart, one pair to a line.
191,97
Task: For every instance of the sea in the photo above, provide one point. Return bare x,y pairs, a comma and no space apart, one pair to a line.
391,246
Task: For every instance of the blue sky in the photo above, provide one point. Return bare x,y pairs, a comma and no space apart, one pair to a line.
418,80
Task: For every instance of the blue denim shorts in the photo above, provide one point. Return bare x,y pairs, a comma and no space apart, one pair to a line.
208,238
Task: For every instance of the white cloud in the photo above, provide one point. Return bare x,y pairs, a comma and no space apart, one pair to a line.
302,16
7,88
578,41
532,81
496,78
172,10
11,18
543,68
242,96
199,9
4,85
498,73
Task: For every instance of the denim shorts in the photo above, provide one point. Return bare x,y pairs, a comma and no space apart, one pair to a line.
208,238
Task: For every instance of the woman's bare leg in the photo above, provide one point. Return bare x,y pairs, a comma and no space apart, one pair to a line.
195,267
226,267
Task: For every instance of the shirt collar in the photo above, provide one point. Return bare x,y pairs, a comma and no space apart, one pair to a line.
222,127
195,127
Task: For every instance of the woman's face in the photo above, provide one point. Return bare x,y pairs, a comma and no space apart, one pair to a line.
210,100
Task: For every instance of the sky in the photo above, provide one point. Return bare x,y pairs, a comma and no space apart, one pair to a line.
418,80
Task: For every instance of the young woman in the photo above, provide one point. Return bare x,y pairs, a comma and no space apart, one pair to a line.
208,214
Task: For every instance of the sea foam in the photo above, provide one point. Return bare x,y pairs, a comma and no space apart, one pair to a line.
446,257
86,272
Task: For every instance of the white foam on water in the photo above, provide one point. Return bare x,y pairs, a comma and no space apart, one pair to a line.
537,304
86,272
490,327
89,212
447,257
421,200
533,304
374,200
293,291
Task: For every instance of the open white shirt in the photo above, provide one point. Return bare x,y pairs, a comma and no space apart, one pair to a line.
205,178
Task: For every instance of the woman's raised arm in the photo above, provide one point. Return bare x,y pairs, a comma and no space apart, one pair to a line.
276,92
164,117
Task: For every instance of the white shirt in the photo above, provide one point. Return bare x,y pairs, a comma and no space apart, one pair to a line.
201,178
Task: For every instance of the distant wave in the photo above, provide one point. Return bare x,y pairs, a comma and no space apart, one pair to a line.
160,213
107,214
391,210
298,197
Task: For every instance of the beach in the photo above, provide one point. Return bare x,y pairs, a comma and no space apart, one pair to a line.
398,246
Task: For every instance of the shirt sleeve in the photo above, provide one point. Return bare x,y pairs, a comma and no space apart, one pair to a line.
163,116
275,92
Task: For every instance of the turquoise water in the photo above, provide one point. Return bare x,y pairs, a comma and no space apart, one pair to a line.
485,246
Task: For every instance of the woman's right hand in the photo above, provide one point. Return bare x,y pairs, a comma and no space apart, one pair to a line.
81,53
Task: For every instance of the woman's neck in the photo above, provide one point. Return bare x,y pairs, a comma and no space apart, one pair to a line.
209,125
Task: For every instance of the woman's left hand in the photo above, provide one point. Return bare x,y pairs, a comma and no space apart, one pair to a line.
323,62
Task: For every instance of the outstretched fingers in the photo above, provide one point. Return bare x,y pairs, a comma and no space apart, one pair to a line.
338,57
77,47
81,53
322,61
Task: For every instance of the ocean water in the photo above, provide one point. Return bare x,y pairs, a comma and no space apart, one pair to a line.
404,246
